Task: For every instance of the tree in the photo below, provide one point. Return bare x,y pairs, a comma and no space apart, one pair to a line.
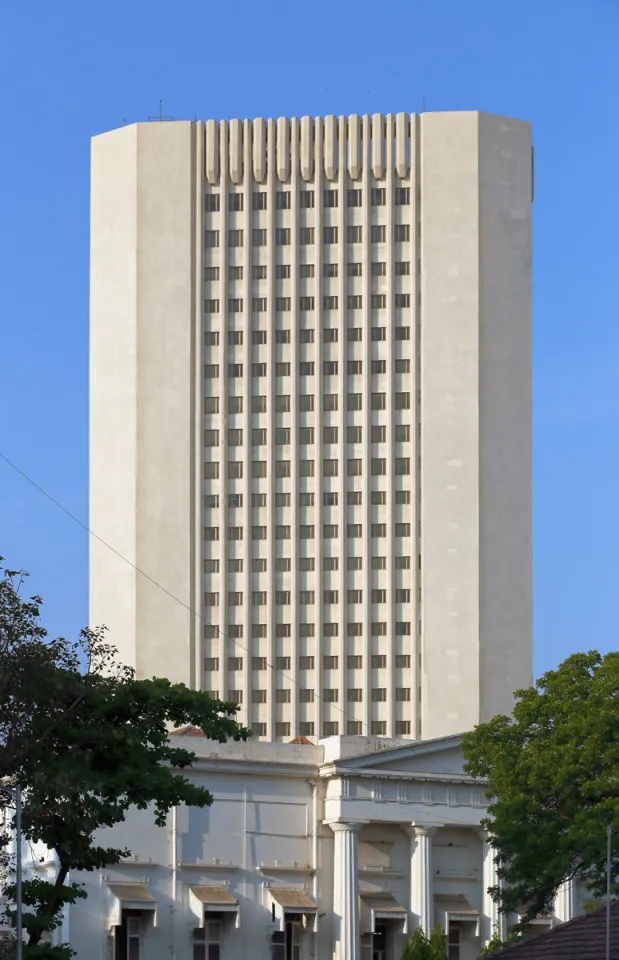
86,743
553,785
422,947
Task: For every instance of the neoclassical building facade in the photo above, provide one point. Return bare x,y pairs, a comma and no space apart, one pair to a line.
309,852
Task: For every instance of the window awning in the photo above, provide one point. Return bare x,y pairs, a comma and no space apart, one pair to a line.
211,898
287,900
381,906
456,909
129,896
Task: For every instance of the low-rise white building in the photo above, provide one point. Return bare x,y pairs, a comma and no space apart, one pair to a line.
336,850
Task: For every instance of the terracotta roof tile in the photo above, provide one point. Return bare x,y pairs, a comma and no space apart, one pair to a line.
301,740
583,938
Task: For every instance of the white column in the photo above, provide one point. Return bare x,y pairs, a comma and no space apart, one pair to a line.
492,920
346,891
565,901
422,880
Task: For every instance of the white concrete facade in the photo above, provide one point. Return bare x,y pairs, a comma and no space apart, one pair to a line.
309,852
310,415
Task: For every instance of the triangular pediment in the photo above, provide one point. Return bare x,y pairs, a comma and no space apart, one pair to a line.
434,758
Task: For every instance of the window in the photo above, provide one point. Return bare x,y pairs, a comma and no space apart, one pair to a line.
329,597
379,401
306,435
329,235
235,338
329,434
282,369
354,695
282,336
379,563
259,663
378,728
211,338
330,468
235,500
402,435
306,303
306,499
282,436
378,234
306,696
306,198
330,335
282,236
402,529
402,268
306,270
306,368
211,599
379,366
329,269
306,728
283,629
306,468
379,497
379,435
354,301
211,306
211,273
379,596
354,367
259,272
355,596
379,196
259,696
379,661
330,695
330,532
282,532
235,599
330,728
402,366
331,563
354,661
211,533
330,198
282,663
354,497
402,694
259,238
259,598
402,466
212,202
283,564
379,269
235,201
402,333
259,729
354,234
330,303
283,200
236,566
211,663
258,533
354,728
403,563
306,236
235,370
402,231
379,467
211,438
235,237
353,434
211,471
355,563
306,336
259,305
282,729
306,532
402,300
211,404
306,564
258,404
258,369
354,269
402,196
354,198
259,200
258,337
355,334
379,530
307,630
355,467
379,300
330,401
282,468
453,942
258,499
212,566
211,238
306,597
402,401
282,403
353,401
402,629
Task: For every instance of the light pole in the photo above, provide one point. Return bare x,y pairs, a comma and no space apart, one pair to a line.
15,793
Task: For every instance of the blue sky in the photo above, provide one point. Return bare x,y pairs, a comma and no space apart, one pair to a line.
71,70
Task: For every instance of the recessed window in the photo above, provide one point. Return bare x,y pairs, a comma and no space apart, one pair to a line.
402,595
353,434
330,468
282,436
355,467
282,369
283,200
354,367
402,300
211,306
211,404
306,303
379,434
211,202
379,563
282,236
258,404
330,302
402,196
379,661
329,368
235,437
211,238
379,530
306,236
259,238
379,366
379,196
354,661
330,695
354,498
307,335
354,198
330,198
306,368
402,232
354,401
329,434
306,468
235,201
354,301
353,531
402,466
306,695
330,597
379,596
259,272
306,565
330,728
379,300
259,304
259,472
306,499
259,437
259,200
354,269
403,333
329,235
402,401
306,435
330,402
331,563
379,497
354,234
403,563
282,271
378,728
330,269
402,268
379,268
378,234
306,199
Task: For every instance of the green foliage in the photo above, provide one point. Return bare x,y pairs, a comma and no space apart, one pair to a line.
552,779
86,744
496,944
422,947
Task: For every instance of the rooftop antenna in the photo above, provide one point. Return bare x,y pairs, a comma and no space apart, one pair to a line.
161,117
